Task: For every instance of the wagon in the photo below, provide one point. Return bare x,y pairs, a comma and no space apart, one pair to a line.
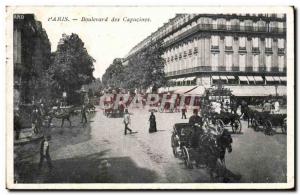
226,119
268,120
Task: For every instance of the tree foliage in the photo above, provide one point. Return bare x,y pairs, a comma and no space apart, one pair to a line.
72,66
145,69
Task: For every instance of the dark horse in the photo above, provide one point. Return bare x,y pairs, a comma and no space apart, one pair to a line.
63,114
213,147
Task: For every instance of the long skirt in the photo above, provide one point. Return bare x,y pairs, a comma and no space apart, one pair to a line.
152,127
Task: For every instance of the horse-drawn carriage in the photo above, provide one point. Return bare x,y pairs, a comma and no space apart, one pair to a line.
199,148
266,120
217,109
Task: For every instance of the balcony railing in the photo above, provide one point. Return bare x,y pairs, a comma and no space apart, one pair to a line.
268,50
225,69
229,28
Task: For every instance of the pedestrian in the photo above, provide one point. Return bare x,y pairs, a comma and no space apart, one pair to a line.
17,125
44,153
126,122
152,121
83,114
183,112
34,120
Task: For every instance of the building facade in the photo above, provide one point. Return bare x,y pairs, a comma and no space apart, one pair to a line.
31,55
233,49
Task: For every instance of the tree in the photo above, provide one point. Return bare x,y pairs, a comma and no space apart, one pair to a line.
114,74
72,66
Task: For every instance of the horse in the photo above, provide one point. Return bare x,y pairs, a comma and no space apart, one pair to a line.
213,148
63,114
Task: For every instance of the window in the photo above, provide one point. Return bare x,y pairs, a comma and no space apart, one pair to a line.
228,41
255,62
255,42
214,61
268,42
242,62
268,62
215,24
215,40
281,63
228,61
242,25
281,43
242,41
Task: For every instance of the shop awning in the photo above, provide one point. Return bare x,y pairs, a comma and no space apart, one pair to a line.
243,78
276,78
268,78
198,91
252,90
180,80
258,78
282,78
190,78
215,77
250,78
223,78
281,90
230,77
183,89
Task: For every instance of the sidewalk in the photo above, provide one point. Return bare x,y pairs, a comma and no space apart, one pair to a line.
27,136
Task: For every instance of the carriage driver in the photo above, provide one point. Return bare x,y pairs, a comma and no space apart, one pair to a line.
196,121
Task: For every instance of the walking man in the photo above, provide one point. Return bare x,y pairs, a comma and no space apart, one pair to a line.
83,114
44,152
183,112
126,122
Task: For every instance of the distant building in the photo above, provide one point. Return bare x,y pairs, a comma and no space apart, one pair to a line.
231,49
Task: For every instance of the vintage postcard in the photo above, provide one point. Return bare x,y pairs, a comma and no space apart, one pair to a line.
150,97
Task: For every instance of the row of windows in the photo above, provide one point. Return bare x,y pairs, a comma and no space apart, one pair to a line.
194,52
255,62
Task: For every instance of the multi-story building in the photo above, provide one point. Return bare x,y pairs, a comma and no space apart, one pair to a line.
233,49
31,55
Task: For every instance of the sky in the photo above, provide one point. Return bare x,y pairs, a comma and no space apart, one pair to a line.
104,41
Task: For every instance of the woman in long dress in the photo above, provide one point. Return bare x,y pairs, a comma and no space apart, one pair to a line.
152,121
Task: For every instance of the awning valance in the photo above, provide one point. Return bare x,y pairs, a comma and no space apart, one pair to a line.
276,78
243,78
281,90
180,80
258,78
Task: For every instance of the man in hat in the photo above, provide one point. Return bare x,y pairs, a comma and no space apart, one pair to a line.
126,122
196,121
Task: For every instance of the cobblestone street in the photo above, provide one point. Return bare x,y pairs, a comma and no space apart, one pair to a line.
100,152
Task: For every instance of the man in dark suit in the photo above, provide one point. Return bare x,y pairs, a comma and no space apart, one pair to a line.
196,121
44,152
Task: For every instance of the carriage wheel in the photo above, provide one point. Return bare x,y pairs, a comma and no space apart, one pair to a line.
174,145
255,124
283,126
268,127
220,126
187,158
237,126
